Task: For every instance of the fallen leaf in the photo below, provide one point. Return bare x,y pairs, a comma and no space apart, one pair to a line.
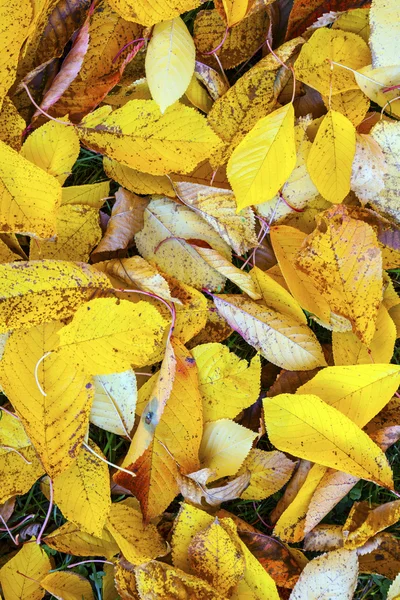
12,125
368,170
136,181
67,585
269,473
386,134
324,538
20,576
114,402
365,521
384,560
70,539
383,18
193,488
305,12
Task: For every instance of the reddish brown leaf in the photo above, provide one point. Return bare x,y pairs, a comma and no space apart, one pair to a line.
306,12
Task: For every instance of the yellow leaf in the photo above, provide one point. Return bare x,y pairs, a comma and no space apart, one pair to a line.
15,18
286,242
167,225
148,12
198,95
373,81
269,473
332,575
331,157
218,207
138,543
82,492
215,329
12,125
224,447
41,291
67,586
109,588
70,539
387,135
228,384
235,11
240,278
78,232
20,577
188,523
29,196
368,170
360,392
384,18
353,104
176,438
343,260
277,297
280,339
314,66
139,136
214,557
92,195
264,159
365,521
109,336
356,21
348,349
114,402
394,590
291,523
54,148
123,582
395,315
324,538
307,427
158,580
137,182
56,417
169,62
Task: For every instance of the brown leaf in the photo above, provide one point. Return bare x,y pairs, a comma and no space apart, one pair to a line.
291,490
287,382
384,560
193,488
305,12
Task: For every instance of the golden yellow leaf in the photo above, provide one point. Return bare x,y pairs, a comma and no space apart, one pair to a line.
228,384
314,64
198,96
6,254
360,392
78,232
235,11
124,582
224,447
56,417
20,576
286,242
332,575
364,521
167,225
169,62
307,427
279,338
109,588
269,473
137,182
11,125
395,315
368,170
148,12
372,81
394,590
109,336
356,21
139,136
387,135
114,402
15,19
215,558
215,329
218,207
54,148
29,197
264,159
82,492
139,543
93,195
384,20
68,586
70,539
331,157
343,260
41,291
188,523
242,279
353,104
348,349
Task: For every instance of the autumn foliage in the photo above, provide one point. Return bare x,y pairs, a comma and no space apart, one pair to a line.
220,298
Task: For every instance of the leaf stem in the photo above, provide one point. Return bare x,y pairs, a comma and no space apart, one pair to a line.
42,111
28,462
89,449
6,528
36,372
95,560
51,501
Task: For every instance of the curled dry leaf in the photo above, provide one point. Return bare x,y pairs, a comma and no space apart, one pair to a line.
194,489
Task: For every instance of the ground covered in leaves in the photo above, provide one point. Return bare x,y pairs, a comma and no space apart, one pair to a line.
199,299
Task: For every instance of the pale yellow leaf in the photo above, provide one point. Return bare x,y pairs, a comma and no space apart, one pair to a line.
224,447
269,473
384,19
109,336
394,590
331,157
92,194
387,135
139,543
332,575
193,488
167,225
114,402
373,81
67,586
368,170
169,62
82,492
40,291
56,417
70,539
276,296
264,159
139,136
307,427
279,338
20,576
356,21
137,182
54,148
